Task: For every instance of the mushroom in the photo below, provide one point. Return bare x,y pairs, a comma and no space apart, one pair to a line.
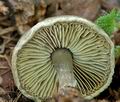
60,52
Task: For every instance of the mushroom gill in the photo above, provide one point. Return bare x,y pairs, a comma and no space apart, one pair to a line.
63,51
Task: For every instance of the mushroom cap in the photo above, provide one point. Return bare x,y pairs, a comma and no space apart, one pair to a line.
91,48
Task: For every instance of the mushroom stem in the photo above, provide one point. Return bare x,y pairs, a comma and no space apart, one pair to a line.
62,60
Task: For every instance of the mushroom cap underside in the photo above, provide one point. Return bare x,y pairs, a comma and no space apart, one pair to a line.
92,55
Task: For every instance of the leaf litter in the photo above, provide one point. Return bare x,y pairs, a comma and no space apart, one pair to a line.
18,16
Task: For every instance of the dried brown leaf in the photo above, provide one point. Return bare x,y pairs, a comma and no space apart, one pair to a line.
110,4
3,64
3,9
27,13
6,75
85,8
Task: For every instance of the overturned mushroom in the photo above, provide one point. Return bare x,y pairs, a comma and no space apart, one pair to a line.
60,52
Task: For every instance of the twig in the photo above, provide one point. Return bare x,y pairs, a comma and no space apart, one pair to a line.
5,23
7,30
18,97
2,48
2,56
3,18
3,67
7,59
5,72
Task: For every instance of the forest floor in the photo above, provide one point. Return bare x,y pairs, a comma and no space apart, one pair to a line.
18,16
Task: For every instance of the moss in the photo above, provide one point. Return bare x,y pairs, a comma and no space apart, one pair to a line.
109,22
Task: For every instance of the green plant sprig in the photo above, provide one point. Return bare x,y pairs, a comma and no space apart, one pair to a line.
110,23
